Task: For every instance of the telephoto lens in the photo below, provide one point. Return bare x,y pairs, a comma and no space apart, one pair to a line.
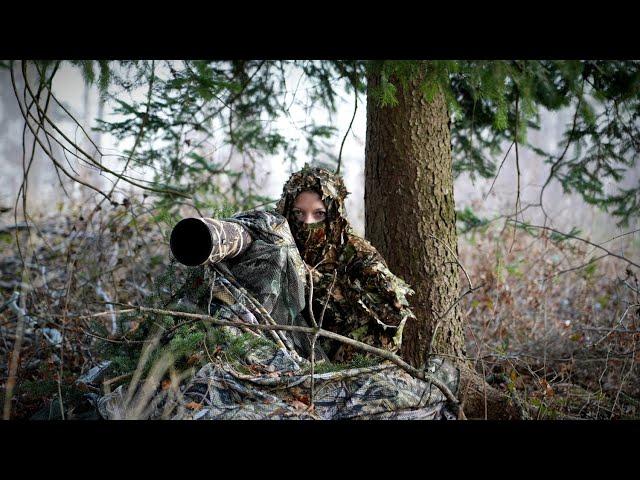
195,241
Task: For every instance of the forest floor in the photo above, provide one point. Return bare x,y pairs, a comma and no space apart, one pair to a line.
560,338
551,325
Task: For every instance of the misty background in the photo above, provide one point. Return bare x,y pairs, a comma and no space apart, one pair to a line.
46,197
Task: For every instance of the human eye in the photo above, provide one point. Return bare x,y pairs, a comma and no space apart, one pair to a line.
320,214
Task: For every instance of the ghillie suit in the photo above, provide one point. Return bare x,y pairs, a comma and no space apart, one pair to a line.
270,377
367,302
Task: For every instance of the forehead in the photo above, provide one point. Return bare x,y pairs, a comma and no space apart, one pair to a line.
308,199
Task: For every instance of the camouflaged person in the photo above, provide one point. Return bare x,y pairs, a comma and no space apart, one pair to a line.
256,267
354,293
366,302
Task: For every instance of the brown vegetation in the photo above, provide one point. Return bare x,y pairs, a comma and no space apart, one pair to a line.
553,344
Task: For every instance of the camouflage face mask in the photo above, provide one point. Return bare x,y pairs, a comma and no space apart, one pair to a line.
310,238
320,240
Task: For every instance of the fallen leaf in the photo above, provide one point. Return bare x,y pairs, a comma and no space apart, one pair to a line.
548,391
299,405
193,406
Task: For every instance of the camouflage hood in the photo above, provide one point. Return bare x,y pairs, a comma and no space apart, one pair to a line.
320,241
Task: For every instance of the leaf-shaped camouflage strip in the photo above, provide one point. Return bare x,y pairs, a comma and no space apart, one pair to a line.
367,302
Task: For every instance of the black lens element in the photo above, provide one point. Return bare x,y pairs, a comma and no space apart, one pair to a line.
191,242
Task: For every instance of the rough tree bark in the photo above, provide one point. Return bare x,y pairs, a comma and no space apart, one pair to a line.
410,218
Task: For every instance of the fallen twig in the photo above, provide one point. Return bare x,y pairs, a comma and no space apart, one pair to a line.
385,354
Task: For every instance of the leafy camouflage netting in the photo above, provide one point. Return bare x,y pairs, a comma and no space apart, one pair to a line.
220,391
267,285
367,302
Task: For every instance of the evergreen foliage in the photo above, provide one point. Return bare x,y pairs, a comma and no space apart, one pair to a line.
190,104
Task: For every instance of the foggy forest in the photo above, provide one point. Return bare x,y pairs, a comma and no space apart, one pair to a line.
499,200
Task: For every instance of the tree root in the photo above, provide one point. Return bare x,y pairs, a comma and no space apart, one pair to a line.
481,401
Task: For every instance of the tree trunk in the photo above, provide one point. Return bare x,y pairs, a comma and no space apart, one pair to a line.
410,218
409,201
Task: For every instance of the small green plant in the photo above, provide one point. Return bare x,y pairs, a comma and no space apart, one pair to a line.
359,360
514,269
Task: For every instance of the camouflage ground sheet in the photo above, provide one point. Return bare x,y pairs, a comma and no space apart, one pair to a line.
280,390
272,380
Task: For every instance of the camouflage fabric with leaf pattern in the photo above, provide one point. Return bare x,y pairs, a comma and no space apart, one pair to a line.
368,302
265,382
268,376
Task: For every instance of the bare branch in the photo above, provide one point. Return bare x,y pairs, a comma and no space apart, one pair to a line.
578,238
385,354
